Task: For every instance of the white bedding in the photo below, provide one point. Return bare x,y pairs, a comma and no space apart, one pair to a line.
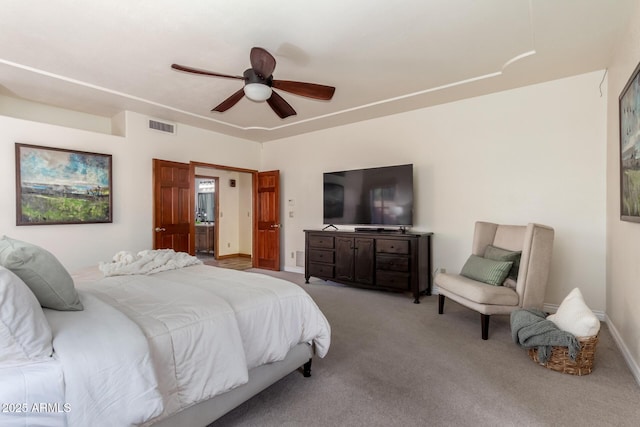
175,338
33,395
146,262
108,375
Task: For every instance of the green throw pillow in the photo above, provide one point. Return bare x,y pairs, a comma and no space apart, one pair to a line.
42,272
486,270
498,254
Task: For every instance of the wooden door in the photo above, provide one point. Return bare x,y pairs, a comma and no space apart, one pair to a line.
267,235
171,212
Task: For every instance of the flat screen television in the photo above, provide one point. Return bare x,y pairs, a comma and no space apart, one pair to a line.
381,196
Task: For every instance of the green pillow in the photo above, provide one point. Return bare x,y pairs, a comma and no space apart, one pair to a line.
486,270
498,254
42,272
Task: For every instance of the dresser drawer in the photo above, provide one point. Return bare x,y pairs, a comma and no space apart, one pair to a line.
390,279
392,263
392,246
321,270
321,241
318,255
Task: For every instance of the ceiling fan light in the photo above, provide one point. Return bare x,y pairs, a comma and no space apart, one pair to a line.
257,92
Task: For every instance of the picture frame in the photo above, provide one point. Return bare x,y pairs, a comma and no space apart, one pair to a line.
60,186
629,112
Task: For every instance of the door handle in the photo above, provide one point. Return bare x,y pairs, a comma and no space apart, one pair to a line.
275,225
158,229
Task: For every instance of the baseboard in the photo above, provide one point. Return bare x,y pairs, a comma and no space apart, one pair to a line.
294,269
234,256
633,365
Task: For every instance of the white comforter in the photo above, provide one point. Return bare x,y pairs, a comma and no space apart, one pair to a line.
108,375
186,335
33,395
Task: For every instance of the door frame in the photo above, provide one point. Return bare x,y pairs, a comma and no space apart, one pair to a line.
192,205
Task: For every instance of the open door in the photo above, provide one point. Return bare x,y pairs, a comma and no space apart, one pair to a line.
171,213
267,212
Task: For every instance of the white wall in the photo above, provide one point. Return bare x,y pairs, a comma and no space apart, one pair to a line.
81,245
530,154
245,214
534,154
33,111
228,224
623,238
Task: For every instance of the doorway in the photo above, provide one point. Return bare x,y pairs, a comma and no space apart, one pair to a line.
231,219
207,202
247,225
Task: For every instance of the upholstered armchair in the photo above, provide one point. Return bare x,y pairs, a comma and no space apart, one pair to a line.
523,251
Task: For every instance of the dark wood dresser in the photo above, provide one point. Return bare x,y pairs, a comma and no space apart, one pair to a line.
386,260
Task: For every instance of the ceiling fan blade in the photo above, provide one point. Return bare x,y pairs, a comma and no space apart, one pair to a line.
280,106
310,90
230,101
262,62
203,72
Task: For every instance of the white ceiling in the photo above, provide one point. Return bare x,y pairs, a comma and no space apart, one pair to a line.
383,57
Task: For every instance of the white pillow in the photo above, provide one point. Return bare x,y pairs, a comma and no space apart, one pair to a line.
41,272
575,316
25,335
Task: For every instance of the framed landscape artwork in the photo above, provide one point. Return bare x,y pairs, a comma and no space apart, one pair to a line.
630,149
58,186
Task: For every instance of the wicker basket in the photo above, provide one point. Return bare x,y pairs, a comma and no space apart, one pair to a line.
561,362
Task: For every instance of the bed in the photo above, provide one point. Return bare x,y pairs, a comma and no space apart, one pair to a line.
176,346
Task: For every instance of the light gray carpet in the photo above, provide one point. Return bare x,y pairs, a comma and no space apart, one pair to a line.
395,363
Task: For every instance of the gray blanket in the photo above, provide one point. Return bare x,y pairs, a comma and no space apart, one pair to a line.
529,329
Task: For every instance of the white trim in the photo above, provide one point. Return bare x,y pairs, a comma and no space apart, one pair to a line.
491,75
633,365
294,269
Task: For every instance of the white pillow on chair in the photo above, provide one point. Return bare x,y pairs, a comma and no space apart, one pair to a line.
575,316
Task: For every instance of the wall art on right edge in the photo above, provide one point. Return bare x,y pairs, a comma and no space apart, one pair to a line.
630,149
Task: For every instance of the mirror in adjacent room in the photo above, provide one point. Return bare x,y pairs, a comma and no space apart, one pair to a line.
205,200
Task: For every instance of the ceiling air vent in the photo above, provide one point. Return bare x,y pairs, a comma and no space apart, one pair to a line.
162,126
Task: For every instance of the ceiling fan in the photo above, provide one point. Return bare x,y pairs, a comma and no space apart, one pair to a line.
258,84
